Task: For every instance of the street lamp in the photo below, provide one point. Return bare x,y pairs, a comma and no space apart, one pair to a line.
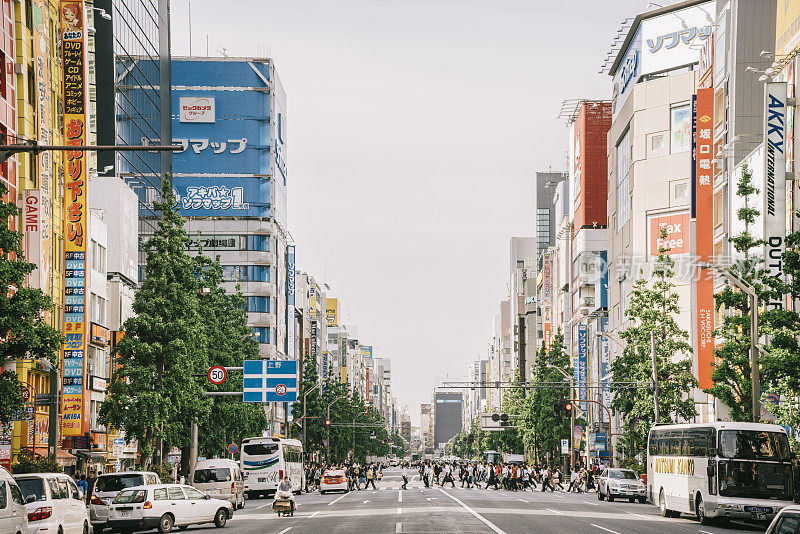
750,290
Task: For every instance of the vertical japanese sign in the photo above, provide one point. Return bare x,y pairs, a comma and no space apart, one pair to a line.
605,367
44,126
702,213
32,223
774,208
583,362
75,230
290,285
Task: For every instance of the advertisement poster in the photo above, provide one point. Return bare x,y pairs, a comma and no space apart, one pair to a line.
583,363
332,312
702,212
774,208
290,286
75,230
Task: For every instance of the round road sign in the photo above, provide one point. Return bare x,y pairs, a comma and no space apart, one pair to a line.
232,448
26,392
280,389
217,375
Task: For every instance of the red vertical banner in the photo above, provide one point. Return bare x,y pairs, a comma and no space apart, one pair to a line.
704,234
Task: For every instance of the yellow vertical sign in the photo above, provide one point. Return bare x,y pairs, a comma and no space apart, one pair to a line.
73,57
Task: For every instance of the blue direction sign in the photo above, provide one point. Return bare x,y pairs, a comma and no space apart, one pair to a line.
270,381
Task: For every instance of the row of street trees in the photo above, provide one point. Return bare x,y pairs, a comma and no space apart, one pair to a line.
356,430
184,323
653,309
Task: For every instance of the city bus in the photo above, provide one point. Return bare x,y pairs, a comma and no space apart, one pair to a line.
719,470
266,460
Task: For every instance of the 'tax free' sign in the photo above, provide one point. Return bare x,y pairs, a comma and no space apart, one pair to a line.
677,238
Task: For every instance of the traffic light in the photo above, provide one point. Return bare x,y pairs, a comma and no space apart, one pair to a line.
502,417
327,422
563,407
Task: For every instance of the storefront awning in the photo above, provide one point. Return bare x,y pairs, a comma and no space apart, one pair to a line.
95,457
62,456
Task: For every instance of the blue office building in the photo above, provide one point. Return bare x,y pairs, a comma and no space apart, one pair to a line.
229,117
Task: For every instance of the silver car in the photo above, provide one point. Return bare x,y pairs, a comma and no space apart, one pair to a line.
786,522
620,483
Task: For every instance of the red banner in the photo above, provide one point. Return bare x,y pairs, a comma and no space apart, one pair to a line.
704,234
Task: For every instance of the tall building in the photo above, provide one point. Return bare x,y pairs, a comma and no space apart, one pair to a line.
522,278
230,182
426,428
649,152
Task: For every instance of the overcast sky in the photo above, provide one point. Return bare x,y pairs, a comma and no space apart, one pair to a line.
415,127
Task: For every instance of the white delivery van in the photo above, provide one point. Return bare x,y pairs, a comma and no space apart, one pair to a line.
220,478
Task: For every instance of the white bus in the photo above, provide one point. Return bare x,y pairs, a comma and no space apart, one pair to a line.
266,460
719,470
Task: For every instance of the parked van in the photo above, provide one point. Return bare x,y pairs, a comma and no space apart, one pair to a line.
108,486
54,503
13,514
220,478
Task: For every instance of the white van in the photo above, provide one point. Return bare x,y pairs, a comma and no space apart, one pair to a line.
220,478
54,503
107,486
13,514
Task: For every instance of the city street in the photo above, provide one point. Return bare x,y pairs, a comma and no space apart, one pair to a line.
433,510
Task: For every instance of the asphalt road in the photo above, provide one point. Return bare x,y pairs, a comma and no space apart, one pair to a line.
464,511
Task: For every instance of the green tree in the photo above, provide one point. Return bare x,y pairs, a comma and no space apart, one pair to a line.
542,428
153,397
24,333
653,308
731,373
315,409
225,322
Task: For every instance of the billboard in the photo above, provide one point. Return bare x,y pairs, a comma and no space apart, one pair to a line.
290,287
660,43
332,312
279,150
583,364
196,109
73,37
787,27
32,226
702,213
678,239
448,410
216,196
774,197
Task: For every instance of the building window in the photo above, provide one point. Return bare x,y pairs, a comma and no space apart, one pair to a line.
246,273
258,242
261,334
98,311
623,179
98,257
681,128
258,304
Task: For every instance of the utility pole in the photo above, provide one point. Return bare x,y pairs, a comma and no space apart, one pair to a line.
305,424
655,373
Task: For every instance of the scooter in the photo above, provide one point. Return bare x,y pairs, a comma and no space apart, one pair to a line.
283,503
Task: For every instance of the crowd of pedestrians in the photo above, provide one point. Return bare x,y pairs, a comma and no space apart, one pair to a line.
468,474
507,476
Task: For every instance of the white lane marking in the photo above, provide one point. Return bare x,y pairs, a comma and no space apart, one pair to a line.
646,517
337,499
554,511
398,527
312,515
399,511
399,496
592,503
474,513
604,528
284,531
522,500
705,532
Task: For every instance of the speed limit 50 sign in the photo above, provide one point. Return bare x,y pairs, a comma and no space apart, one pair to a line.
217,375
